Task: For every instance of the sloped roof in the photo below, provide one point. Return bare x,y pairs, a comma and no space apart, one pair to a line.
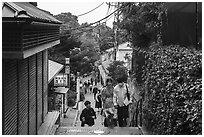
53,69
27,10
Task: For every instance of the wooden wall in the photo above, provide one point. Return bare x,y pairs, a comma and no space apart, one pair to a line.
24,94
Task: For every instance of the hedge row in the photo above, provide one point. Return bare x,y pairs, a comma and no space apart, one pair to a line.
173,90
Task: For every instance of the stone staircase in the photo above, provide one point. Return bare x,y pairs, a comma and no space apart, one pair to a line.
72,125
98,131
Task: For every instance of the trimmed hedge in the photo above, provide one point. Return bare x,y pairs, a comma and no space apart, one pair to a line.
173,90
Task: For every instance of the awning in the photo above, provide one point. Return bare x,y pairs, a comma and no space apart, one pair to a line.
53,69
61,90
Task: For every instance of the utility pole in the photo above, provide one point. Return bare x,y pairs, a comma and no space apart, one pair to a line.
78,87
116,30
67,71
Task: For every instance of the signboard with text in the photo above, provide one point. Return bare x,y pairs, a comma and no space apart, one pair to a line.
67,61
60,80
67,69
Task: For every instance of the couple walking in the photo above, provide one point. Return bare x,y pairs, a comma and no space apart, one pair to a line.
116,101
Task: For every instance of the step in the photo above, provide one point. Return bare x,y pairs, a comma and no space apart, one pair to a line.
47,127
98,131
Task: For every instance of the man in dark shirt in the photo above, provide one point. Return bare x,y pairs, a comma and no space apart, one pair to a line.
88,115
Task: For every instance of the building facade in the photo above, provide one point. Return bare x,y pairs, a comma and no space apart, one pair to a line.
27,33
124,53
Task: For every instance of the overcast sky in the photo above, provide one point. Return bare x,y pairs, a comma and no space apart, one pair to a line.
77,8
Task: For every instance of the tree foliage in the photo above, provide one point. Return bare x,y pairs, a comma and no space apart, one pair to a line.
68,19
77,44
82,59
105,37
117,69
170,76
142,21
173,100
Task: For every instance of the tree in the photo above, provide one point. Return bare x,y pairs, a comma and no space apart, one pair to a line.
68,19
67,40
82,59
105,37
117,70
142,21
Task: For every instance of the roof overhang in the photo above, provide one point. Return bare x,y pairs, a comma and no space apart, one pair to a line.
53,69
26,11
61,90
29,52
26,21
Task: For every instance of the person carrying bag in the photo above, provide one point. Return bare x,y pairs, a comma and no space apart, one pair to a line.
121,99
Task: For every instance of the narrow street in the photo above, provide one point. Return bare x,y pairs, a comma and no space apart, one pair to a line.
98,121
53,53
69,128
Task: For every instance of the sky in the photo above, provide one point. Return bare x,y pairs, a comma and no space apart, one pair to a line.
80,7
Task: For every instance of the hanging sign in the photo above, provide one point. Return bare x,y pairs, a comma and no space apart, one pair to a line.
60,80
67,61
67,70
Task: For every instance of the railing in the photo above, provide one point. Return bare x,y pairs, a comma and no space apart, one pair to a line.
136,113
135,109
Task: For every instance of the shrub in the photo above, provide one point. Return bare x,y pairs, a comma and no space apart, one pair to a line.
173,96
71,98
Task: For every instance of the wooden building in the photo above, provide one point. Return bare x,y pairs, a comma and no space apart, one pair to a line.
27,33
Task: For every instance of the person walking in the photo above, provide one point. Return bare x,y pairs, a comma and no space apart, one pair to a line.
92,81
89,84
98,103
95,90
96,81
88,115
107,99
121,99
85,87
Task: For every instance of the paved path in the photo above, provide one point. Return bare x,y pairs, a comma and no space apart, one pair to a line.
72,116
99,131
71,125
98,120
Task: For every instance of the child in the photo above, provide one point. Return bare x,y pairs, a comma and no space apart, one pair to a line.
88,115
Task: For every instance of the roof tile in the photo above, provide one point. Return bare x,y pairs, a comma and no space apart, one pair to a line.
32,11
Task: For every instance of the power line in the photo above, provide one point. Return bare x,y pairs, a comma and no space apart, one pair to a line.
90,10
83,31
96,21
108,18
